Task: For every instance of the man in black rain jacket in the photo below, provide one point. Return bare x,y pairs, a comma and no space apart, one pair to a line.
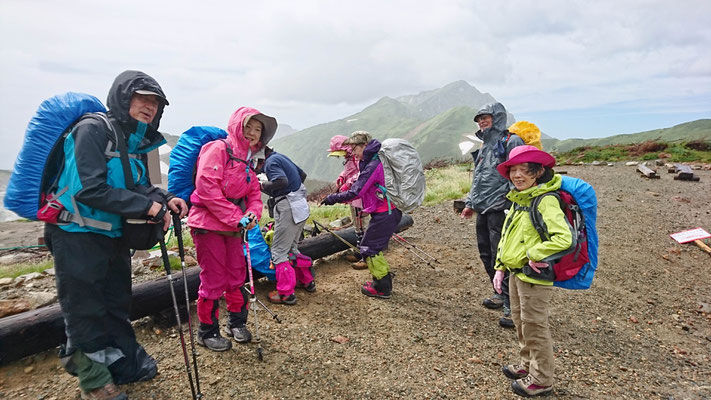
92,259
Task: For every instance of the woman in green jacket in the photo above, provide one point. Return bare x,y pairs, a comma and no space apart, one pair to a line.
522,252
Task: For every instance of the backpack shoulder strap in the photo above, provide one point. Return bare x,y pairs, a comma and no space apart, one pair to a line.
384,190
230,155
231,158
537,218
122,149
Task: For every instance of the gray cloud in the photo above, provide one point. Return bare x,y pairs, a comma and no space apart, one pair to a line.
311,61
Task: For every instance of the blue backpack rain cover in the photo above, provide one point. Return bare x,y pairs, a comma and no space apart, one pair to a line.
260,254
53,117
183,158
584,195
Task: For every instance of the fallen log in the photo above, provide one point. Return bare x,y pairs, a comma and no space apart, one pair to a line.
37,330
684,173
648,172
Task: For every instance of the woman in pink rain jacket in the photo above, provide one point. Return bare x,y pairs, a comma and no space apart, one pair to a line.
344,182
226,191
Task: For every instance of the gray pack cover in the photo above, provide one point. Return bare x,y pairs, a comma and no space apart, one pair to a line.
404,175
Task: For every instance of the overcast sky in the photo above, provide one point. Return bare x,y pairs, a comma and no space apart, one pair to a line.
575,68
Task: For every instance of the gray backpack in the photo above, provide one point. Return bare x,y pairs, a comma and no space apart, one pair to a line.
404,175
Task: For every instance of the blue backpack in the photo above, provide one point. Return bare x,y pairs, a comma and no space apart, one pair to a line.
584,195
41,157
183,158
260,254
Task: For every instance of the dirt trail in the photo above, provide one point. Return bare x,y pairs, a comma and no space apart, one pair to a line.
639,333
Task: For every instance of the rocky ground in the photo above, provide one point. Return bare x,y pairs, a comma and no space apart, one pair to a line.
643,331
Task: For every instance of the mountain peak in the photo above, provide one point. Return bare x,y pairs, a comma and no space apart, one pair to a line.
458,93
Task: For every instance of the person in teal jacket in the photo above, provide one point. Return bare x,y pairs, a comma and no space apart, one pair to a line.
529,261
92,259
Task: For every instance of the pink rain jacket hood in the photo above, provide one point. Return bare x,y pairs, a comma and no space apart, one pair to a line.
218,179
350,167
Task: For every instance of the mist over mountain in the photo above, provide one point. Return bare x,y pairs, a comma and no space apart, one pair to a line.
432,102
284,130
435,121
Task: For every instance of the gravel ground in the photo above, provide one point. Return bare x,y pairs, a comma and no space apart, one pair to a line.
643,331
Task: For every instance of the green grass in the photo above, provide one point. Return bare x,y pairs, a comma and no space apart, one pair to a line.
671,152
448,183
322,214
15,270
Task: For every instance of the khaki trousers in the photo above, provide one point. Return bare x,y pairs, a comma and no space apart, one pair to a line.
530,305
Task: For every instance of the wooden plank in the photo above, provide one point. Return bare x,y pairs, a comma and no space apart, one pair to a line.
703,246
648,172
684,173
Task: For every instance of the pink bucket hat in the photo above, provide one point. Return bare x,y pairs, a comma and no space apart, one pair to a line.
524,154
336,145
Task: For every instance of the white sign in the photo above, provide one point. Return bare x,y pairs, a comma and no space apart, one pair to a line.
690,235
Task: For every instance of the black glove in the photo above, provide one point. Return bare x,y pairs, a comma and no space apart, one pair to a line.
329,200
159,216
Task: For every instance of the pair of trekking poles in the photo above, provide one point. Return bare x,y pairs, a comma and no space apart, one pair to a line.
178,230
411,247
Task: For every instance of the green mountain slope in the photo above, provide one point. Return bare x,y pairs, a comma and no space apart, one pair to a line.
688,131
440,136
433,121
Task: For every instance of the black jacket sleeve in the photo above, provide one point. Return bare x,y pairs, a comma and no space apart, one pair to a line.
276,185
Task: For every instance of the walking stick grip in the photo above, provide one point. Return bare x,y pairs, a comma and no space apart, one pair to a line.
178,230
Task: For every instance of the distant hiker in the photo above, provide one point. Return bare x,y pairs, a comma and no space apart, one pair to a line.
344,181
522,252
487,195
226,190
93,263
383,222
288,206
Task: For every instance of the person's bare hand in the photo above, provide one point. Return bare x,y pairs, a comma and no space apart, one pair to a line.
536,265
178,206
466,213
498,280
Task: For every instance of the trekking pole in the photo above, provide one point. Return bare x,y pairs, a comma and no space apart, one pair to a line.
349,244
166,264
178,231
274,316
415,247
253,297
429,263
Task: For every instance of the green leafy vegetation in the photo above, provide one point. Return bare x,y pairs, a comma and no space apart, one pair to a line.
699,151
448,183
327,214
15,270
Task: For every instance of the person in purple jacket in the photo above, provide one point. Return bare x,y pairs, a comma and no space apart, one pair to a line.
383,219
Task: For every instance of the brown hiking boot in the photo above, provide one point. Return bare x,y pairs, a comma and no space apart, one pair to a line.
360,265
352,257
276,298
106,392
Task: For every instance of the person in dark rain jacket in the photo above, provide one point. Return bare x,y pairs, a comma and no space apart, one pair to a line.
92,261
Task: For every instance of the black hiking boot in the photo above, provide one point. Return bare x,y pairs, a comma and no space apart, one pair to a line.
236,328
209,336
239,333
505,321
378,288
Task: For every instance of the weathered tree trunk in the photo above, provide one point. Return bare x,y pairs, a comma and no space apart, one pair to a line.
41,329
